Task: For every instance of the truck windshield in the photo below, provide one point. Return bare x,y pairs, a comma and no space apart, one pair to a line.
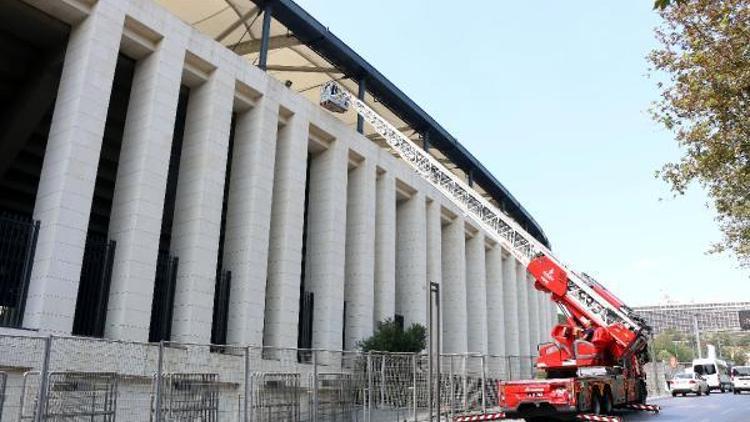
741,372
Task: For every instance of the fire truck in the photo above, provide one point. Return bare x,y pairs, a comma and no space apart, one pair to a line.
595,360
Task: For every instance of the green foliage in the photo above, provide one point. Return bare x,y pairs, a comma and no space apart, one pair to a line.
390,337
662,4
703,50
732,346
672,343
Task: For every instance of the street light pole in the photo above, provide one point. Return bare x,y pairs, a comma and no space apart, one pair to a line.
697,336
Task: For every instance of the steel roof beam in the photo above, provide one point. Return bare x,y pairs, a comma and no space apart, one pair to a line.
274,43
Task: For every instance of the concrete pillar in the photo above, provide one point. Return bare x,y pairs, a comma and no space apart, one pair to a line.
510,311
249,218
135,221
326,244
454,287
476,294
285,241
522,295
434,251
385,248
533,313
496,332
66,183
359,288
411,260
544,327
198,203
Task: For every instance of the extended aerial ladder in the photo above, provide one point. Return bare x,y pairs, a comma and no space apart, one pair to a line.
611,326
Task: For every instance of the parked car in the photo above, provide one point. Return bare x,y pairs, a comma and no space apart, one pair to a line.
740,379
689,382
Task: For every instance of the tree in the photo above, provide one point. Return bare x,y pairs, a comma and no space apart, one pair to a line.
390,336
672,343
703,51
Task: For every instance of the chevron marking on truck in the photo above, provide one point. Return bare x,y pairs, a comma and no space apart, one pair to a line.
599,418
484,417
648,407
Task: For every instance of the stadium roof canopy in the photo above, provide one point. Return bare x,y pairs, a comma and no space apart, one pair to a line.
306,54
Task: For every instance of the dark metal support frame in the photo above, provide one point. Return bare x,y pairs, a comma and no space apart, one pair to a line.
266,35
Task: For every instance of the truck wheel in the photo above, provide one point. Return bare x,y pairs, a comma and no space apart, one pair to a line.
607,403
674,394
596,403
643,392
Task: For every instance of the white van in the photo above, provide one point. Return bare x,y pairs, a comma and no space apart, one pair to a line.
715,371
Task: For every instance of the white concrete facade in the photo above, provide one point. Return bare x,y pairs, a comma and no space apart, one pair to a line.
376,232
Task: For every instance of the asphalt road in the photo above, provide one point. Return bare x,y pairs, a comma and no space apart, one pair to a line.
717,407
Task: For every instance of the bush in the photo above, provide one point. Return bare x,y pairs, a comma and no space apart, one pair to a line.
390,336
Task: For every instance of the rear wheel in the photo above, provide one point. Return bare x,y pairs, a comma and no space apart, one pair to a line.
684,394
698,393
674,394
722,389
643,392
596,404
708,391
607,404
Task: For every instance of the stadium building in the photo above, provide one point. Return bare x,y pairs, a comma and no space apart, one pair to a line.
727,316
166,172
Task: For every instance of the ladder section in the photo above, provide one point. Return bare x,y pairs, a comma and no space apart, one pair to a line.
502,227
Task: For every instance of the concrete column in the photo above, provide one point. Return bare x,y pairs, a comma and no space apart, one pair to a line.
66,183
544,326
248,220
496,332
285,241
434,250
359,288
476,294
198,203
510,311
533,313
385,248
135,222
411,260
326,244
453,289
522,295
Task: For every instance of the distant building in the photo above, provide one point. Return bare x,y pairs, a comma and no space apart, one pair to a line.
728,316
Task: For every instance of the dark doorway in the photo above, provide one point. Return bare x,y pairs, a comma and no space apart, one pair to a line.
32,45
98,255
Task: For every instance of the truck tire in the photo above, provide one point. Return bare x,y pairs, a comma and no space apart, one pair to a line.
596,403
643,392
607,402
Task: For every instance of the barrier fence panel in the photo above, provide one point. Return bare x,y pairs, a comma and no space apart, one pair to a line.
280,385
200,382
99,380
103,365
3,379
19,355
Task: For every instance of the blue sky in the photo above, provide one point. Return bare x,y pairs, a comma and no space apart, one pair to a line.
552,97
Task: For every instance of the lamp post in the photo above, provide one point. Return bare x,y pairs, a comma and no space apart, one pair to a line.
697,336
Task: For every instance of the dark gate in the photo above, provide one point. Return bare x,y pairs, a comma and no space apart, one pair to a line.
93,290
18,236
